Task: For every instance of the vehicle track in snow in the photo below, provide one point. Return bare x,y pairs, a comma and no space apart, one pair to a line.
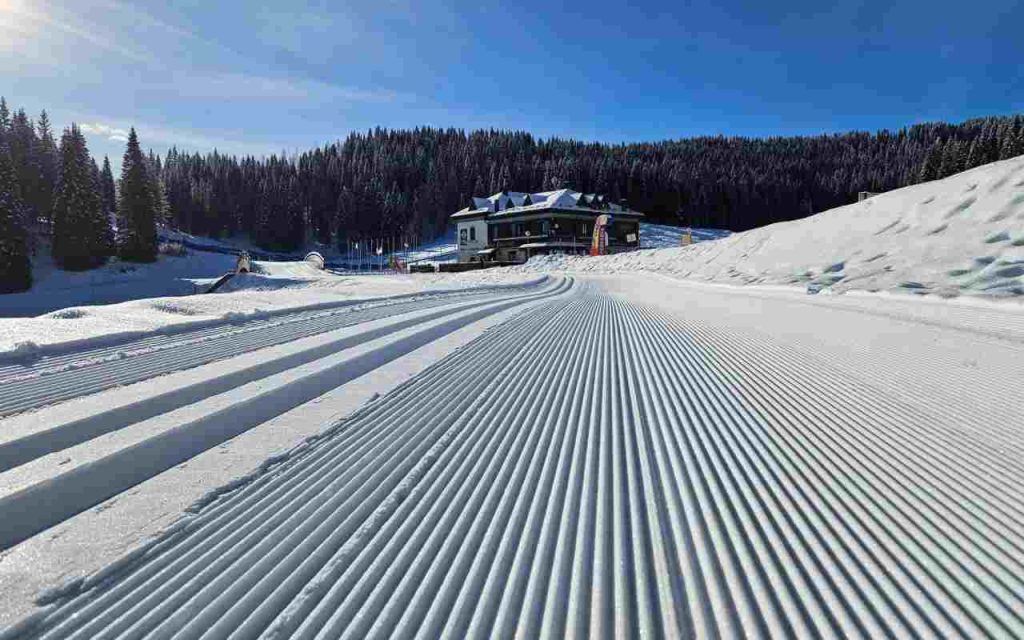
595,468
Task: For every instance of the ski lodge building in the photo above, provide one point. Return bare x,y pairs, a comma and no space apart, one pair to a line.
512,226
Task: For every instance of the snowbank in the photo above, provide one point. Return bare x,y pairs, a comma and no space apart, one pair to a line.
245,296
664,236
114,282
960,235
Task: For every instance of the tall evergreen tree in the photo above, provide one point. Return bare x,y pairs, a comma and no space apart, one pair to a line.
23,147
158,192
1013,143
49,161
974,155
950,162
108,192
932,161
15,267
989,143
5,117
135,206
82,237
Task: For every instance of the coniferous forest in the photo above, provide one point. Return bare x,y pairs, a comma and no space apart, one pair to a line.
406,183
55,197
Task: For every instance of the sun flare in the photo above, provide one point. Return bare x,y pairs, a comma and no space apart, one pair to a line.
18,22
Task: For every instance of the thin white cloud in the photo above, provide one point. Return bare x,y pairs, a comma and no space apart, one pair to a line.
99,129
242,86
185,139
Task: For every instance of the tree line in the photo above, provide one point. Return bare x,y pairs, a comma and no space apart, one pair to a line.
389,183
55,197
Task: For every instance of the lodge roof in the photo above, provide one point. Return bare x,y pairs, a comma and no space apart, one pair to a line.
509,203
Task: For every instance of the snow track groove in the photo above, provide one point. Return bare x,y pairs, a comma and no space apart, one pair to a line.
596,468
19,450
46,501
61,376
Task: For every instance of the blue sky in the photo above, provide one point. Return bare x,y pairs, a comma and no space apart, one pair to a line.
249,77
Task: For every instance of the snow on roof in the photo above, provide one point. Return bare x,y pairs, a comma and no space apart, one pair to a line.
506,203
469,213
560,244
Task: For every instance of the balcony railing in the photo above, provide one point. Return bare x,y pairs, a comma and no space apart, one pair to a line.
587,239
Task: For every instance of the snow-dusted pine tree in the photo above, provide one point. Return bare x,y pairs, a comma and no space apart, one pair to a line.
49,167
161,209
950,162
23,147
5,117
15,268
108,194
82,237
135,206
1013,143
932,160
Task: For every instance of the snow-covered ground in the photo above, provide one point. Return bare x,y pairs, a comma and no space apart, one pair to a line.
663,236
443,249
960,235
54,289
137,409
623,454
614,454
115,282
284,287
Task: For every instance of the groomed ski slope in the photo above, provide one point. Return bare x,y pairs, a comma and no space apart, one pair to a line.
255,373
629,458
67,374
244,297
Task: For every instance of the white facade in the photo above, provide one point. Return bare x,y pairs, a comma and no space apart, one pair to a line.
472,237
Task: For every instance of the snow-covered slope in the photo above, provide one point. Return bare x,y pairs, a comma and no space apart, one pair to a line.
960,235
664,236
443,249
117,281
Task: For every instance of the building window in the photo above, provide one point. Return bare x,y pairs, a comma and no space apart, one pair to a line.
472,234
462,235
